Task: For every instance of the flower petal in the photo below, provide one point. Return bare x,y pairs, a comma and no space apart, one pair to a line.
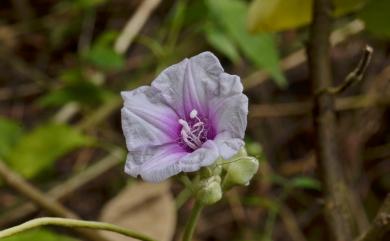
155,164
228,147
229,115
186,85
204,156
146,119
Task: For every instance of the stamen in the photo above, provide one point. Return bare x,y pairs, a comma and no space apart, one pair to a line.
184,124
193,114
193,133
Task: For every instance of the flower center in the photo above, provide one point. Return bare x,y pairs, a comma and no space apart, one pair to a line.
193,132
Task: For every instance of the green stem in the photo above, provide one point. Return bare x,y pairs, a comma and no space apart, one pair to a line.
71,223
191,224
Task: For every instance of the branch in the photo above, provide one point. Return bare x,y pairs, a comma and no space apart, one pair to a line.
355,76
71,223
298,57
338,212
305,107
18,183
380,225
71,185
134,25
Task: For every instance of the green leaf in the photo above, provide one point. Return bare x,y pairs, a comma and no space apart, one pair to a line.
10,132
88,3
343,7
220,41
38,234
105,58
305,183
260,48
77,87
376,15
38,150
261,202
102,53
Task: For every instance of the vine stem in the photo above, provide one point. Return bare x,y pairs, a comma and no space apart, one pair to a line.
192,221
71,223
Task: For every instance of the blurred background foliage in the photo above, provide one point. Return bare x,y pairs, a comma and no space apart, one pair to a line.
61,75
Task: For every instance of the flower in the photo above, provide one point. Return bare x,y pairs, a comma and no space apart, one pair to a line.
192,114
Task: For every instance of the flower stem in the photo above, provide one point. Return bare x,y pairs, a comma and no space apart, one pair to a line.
71,223
191,224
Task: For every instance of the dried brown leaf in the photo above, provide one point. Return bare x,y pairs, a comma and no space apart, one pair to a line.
145,208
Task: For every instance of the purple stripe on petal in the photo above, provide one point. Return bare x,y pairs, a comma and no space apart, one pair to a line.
146,120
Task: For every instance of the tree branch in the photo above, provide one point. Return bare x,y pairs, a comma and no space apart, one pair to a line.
338,213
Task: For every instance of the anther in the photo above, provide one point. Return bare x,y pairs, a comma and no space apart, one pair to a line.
193,114
184,124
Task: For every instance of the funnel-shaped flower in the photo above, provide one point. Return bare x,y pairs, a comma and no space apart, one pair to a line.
191,115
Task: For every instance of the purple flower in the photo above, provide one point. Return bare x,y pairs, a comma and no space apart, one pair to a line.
192,114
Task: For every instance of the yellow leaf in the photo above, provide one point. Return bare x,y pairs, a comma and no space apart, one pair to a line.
278,15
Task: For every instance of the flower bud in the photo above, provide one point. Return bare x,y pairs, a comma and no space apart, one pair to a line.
240,171
210,190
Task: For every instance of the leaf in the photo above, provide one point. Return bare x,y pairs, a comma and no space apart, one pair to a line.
276,15
279,15
83,92
264,202
143,207
220,41
102,54
10,131
376,15
77,87
38,234
105,58
260,48
305,183
343,7
88,3
38,150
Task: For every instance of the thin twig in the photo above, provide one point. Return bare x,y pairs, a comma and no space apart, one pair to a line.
291,223
380,225
134,25
87,29
299,57
338,213
305,107
20,91
355,76
123,42
71,223
68,187
18,183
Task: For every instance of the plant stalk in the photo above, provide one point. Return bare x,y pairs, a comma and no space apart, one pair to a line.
71,223
193,220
